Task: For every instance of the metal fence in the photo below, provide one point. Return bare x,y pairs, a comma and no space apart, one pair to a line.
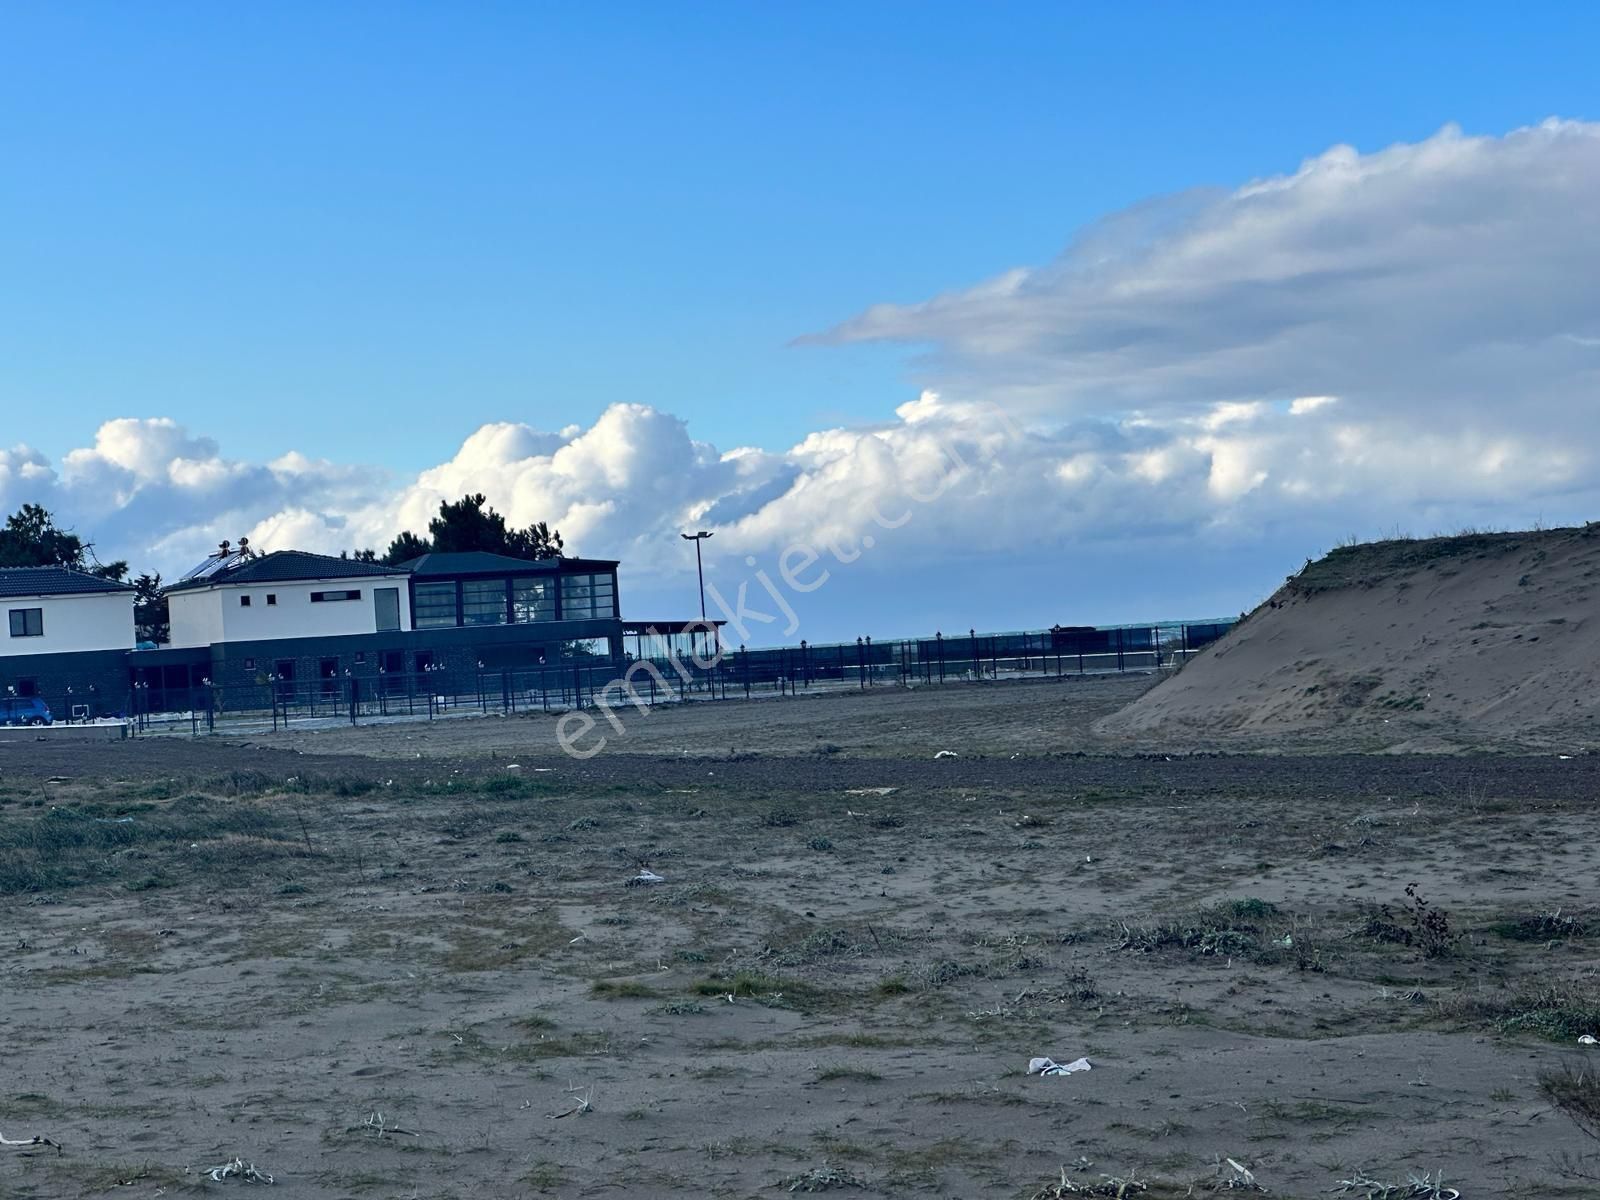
738,674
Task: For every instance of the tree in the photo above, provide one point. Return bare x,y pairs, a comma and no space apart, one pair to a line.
151,622
404,548
470,524
31,538
536,541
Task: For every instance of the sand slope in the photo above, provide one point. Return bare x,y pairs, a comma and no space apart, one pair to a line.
1483,640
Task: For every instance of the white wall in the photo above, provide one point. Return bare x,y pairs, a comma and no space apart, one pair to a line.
195,618
295,615
103,621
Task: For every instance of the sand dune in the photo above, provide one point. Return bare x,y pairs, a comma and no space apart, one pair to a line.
1479,641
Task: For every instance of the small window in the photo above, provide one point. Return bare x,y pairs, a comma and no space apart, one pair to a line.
249,664
329,597
27,622
272,599
27,687
361,656
244,601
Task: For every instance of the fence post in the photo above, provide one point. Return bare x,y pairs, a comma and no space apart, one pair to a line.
938,637
805,666
861,665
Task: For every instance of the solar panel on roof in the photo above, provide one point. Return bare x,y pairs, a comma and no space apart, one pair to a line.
213,564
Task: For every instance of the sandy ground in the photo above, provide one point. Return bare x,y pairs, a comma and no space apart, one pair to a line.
889,722
1483,641
382,962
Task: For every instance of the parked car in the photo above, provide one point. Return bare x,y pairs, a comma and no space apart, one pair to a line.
25,710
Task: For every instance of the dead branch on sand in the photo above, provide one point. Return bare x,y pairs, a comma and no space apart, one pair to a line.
22,1143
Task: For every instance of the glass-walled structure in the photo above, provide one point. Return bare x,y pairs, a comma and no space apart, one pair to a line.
451,591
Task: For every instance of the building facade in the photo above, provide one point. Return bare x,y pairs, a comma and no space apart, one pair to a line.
246,628
67,637
289,620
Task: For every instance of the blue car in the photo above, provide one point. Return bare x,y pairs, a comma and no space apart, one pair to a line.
25,710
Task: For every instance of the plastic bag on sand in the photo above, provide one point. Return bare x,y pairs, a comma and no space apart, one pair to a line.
645,878
1049,1066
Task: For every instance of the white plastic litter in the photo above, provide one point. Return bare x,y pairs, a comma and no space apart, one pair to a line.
947,754
645,878
1049,1066
1587,1039
877,791
238,1168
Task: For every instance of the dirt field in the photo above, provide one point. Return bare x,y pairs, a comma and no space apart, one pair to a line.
407,962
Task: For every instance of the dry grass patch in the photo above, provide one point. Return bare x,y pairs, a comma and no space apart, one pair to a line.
1575,1090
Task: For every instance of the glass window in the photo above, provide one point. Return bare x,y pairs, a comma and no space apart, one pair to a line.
328,597
587,597
27,622
533,600
436,605
483,602
386,608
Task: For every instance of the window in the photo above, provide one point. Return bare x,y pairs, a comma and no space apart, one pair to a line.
435,606
272,599
27,622
533,600
586,597
361,656
27,687
329,597
249,664
244,601
386,609
483,602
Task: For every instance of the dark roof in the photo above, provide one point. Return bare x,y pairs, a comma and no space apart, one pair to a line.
481,562
288,566
54,581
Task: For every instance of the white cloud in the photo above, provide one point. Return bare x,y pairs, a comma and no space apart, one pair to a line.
1309,404
1448,279
1403,337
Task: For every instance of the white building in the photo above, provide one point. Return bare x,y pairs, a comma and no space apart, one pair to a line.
287,594
66,636
55,610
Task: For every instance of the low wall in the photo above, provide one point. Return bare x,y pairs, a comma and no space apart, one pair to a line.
109,731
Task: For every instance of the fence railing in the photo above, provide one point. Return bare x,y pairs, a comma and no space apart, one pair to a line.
739,673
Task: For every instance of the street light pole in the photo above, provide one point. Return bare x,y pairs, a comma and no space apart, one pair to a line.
699,566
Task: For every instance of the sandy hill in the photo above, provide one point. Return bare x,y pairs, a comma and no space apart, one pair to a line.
1480,640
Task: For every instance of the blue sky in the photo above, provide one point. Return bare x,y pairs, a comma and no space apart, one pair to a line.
274,222
360,232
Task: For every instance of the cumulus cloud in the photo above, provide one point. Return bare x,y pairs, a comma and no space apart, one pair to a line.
1409,337
1452,277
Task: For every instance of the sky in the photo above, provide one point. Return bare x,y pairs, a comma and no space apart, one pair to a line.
1080,313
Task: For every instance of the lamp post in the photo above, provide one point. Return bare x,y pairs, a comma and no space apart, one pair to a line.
699,566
